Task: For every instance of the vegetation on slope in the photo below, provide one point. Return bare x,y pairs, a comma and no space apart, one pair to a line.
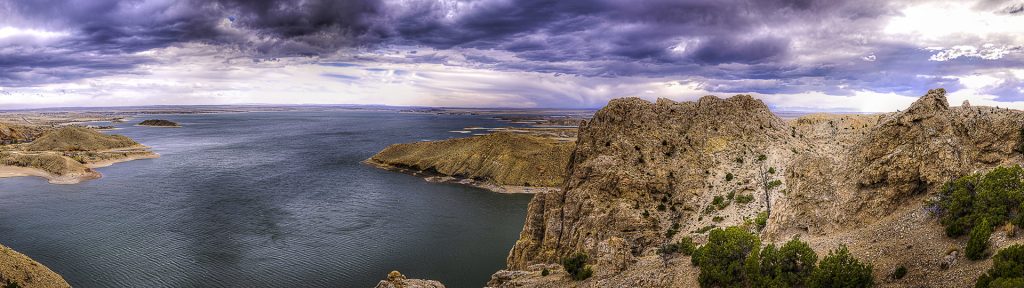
733,257
503,158
79,139
979,202
1007,269
50,162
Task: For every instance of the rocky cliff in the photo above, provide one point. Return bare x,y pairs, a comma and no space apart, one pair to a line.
18,269
503,160
647,174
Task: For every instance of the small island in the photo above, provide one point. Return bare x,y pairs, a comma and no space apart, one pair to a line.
159,123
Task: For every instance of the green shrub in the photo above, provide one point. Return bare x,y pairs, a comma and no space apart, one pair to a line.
661,207
11,284
761,220
684,246
672,231
705,229
732,195
728,177
898,273
993,196
771,170
545,272
1007,269
744,199
978,242
1020,141
717,219
719,202
721,260
772,184
840,269
789,266
576,266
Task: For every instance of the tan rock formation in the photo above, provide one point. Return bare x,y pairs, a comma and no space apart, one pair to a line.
858,180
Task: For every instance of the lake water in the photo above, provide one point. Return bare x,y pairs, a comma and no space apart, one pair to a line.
265,200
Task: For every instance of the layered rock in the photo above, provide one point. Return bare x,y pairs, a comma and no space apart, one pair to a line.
494,161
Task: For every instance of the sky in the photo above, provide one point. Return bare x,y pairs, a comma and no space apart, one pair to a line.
838,55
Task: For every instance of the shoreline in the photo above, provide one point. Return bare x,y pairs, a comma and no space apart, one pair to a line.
439,178
69,179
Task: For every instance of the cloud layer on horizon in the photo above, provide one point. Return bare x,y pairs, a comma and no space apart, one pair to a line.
795,54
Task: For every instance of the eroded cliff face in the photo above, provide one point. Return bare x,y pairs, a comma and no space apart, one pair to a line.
903,157
641,170
640,167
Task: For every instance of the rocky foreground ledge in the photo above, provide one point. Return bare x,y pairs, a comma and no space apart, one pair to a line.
17,270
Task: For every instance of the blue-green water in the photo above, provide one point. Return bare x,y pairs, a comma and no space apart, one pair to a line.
265,200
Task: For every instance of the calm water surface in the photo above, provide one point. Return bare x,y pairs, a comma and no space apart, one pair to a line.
265,200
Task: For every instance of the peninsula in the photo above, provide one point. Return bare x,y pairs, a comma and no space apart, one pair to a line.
65,155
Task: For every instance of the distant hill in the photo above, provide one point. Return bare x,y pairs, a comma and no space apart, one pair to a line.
79,139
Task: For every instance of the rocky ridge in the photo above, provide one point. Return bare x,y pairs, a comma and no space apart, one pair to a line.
641,170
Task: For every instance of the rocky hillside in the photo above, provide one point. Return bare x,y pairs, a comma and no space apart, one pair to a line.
644,175
502,159
67,155
18,269
79,139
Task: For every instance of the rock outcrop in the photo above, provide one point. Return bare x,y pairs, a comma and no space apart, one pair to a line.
646,174
20,270
397,280
490,161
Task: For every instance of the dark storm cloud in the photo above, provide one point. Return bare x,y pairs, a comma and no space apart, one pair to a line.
767,46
